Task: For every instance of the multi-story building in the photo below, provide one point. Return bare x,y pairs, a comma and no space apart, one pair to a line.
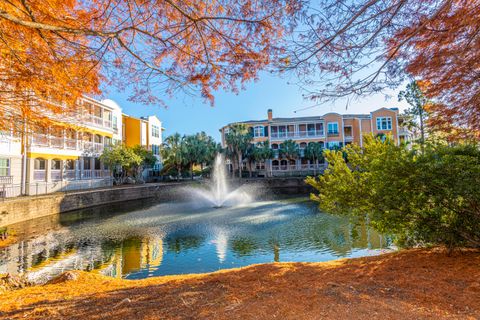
143,131
330,130
66,155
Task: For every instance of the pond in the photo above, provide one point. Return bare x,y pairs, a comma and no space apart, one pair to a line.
138,240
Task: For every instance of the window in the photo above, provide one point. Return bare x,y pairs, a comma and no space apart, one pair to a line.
275,146
332,128
303,145
384,123
258,131
333,144
348,131
87,165
97,164
40,164
155,131
56,164
4,167
319,128
114,121
155,149
70,164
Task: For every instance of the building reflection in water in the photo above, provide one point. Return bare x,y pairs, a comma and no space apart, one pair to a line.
49,246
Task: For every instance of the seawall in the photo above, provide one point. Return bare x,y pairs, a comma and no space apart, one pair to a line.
20,209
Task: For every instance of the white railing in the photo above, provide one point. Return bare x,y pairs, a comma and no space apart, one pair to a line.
349,138
87,145
71,174
56,175
297,134
40,140
6,179
293,167
107,123
71,144
56,142
39,175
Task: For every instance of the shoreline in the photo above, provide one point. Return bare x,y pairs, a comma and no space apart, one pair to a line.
414,283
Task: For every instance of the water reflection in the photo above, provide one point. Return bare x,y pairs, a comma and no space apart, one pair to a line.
173,238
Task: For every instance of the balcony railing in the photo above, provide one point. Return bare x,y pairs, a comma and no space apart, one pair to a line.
71,144
293,167
296,134
39,175
40,140
56,175
6,179
56,142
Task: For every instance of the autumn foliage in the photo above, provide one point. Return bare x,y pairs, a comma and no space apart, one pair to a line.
356,48
56,50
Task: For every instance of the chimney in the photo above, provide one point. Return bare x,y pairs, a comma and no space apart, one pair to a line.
270,116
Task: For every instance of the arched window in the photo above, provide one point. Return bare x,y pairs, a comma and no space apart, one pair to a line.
70,164
39,172
303,145
56,173
274,146
40,164
275,163
56,164
98,138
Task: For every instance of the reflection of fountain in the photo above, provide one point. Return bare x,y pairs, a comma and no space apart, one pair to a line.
218,194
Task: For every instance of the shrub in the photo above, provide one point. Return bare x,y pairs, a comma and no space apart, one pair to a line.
421,198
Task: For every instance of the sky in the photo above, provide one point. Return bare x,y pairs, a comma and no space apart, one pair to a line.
187,115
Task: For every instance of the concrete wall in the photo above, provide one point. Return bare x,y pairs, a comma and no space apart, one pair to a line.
26,208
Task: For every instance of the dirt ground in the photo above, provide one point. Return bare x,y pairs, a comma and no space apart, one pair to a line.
410,284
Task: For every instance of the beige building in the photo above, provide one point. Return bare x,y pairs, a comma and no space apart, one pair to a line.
330,130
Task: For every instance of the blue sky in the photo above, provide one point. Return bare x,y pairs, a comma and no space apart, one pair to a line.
187,115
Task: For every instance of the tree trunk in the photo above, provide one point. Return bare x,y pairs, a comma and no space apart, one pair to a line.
314,167
422,131
240,165
191,170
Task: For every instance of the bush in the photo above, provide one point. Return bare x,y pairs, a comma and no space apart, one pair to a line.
427,198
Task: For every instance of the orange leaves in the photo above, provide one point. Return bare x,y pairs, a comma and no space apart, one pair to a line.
445,54
63,49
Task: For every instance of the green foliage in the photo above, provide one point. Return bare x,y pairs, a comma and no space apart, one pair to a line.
238,140
422,198
417,100
289,149
180,153
314,151
127,160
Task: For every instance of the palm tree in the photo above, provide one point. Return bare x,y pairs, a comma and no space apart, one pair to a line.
263,152
314,152
250,157
172,153
289,149
238,139
192,150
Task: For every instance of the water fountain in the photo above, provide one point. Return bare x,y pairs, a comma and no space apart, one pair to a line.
218,194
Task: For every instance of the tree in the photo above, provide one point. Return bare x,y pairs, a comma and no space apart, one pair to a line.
193,151
263,152
121,160
420,199
250,157
53,52
238,139
147,157
415,98
359,47
314,152
289,149
172,153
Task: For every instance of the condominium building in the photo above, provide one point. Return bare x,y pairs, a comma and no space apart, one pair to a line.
143,131
65,155
330,130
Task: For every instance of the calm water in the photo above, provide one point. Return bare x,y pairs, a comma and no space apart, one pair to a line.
138,240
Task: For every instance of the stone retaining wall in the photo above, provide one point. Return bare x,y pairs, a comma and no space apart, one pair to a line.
20,209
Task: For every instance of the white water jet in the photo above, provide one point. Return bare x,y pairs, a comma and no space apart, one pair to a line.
218,193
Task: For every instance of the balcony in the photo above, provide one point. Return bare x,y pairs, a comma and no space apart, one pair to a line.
298,167
97,122
296,135
333,134
6,179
